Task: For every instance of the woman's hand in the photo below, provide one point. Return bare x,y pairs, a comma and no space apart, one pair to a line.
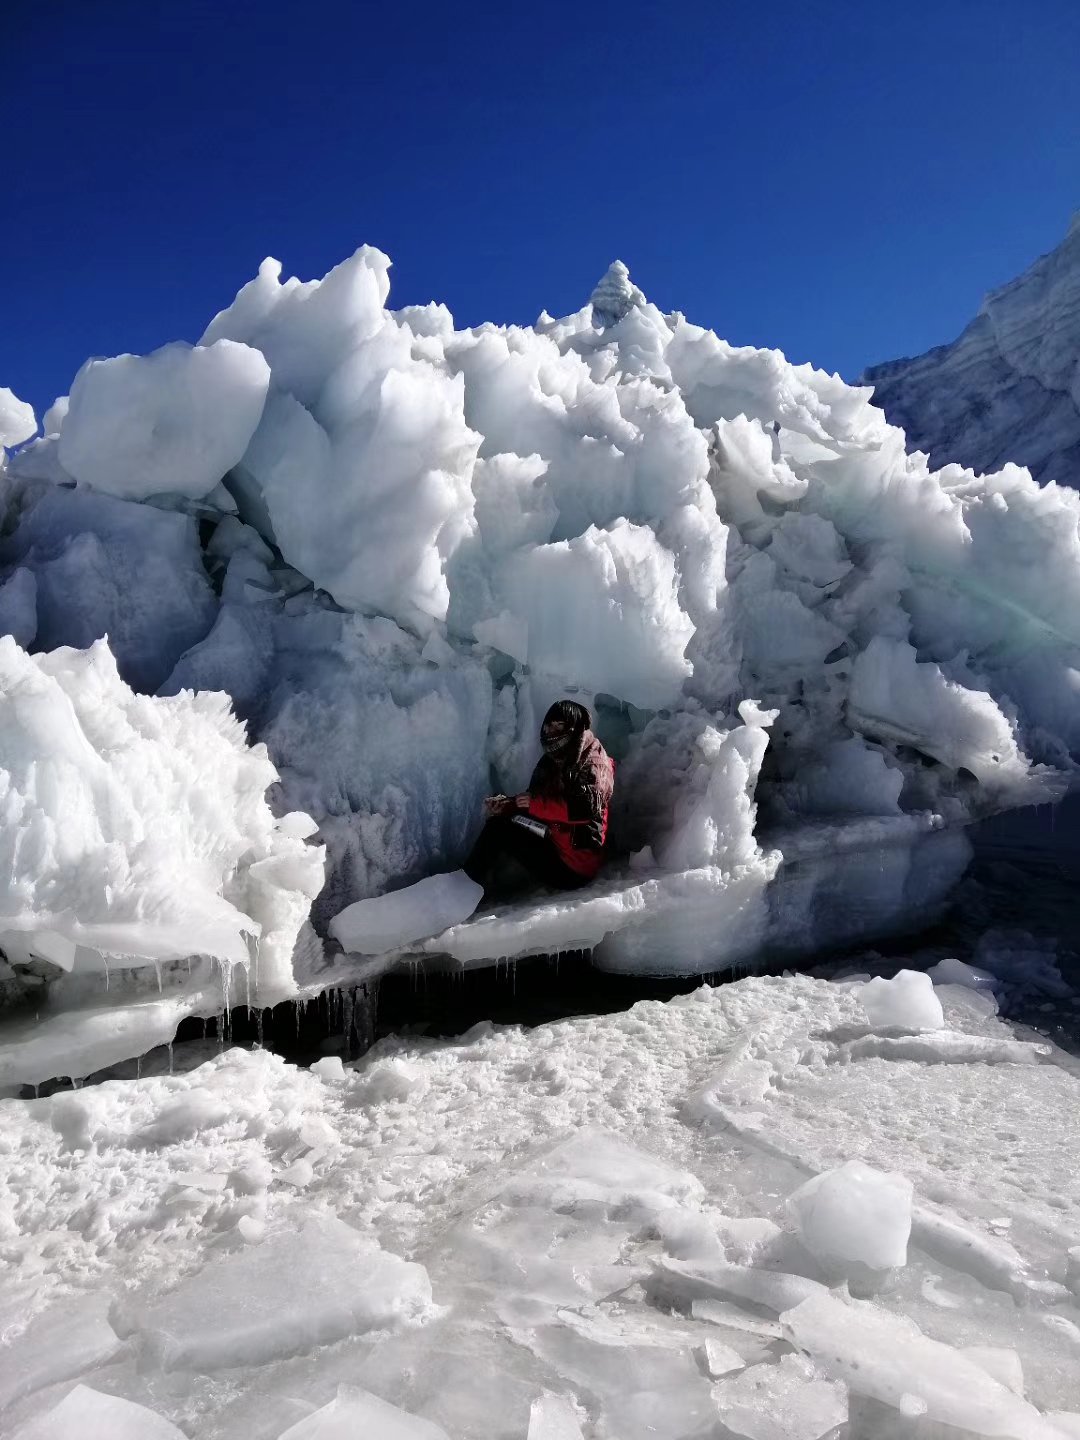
521,802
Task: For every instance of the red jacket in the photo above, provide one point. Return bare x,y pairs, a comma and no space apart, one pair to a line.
578,818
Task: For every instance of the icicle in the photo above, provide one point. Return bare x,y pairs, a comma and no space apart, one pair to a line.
157,972
170,1049
259,1028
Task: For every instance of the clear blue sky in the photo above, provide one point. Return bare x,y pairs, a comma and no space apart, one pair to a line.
841,179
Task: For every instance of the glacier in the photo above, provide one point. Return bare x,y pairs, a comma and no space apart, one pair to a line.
1008,389
389,544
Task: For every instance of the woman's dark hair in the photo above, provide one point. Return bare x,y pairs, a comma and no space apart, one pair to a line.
569,713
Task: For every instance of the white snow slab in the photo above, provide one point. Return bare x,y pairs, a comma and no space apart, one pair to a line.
86,1414
784,1401
855,1214
888,1357
172,422
389,922
906,1002
294,1291
357,1415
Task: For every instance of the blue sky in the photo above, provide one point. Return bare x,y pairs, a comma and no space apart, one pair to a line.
842,180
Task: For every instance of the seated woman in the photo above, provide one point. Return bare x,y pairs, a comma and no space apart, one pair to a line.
556,830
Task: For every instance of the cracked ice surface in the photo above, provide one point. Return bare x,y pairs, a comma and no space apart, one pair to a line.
579,1230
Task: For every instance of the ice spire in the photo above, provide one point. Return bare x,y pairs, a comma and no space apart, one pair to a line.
614,296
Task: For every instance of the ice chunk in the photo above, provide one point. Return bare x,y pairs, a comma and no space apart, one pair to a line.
855,1214
71,1337
906,1002
356,1414
289,1294
888,1358
954,972
388,922
785,1401
172,422
1003,1364
86,1414
17,422
553,1417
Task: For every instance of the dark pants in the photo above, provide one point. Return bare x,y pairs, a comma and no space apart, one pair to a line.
500,841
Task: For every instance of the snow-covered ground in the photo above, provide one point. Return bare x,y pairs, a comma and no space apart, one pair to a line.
586,1229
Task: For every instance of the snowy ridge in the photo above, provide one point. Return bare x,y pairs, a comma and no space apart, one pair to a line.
392,543
1009,388
702,1218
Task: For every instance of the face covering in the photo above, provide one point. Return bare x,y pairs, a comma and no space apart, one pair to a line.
555,744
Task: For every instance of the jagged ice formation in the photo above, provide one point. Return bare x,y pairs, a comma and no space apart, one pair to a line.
393,543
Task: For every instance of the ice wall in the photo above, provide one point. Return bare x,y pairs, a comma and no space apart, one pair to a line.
392,543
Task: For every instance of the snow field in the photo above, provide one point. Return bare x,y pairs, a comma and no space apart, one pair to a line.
597,1228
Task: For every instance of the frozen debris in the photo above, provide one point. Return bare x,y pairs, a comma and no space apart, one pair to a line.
554,1417
87,1414
889,1359
854,1214
1002,1363
783,1401
70,1338
355,1413
906,1002
231,1312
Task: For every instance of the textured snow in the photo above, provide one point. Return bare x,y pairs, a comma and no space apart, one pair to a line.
549,1233
1009,387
